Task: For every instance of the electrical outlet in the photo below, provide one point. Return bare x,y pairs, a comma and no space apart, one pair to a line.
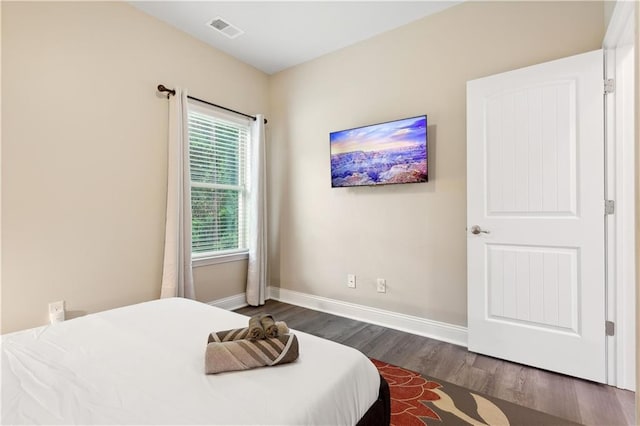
56,311
381,285
351,281
56,307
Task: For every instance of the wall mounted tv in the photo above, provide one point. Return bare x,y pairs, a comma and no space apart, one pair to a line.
380,154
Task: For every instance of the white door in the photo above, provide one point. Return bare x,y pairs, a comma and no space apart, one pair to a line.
535,214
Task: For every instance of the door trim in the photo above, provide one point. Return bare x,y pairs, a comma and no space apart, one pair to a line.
620,186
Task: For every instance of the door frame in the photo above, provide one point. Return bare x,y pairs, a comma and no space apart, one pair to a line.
620,187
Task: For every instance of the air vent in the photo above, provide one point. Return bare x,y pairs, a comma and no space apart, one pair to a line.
225,27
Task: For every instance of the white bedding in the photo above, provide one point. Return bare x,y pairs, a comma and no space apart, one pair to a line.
144,364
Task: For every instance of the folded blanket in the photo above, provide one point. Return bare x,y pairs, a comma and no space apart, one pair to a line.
256,331
245,354
269,326
242,333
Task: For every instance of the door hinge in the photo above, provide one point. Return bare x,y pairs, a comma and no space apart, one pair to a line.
609,328
609,86
609,207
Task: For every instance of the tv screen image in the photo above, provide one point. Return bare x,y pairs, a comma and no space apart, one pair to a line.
380,154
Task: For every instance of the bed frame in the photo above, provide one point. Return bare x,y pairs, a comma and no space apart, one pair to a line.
379,414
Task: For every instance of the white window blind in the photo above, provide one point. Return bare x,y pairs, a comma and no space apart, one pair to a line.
218,158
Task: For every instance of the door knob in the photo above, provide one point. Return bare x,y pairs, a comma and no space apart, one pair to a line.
475,230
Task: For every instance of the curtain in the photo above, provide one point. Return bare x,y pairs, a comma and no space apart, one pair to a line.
257,270
177,275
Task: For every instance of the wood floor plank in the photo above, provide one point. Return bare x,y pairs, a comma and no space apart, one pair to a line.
365,339
628,403
563,396
597,398
508,382
553,393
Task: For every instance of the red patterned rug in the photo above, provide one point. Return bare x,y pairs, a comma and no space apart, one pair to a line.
418,400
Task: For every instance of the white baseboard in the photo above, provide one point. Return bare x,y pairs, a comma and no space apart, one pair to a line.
411,324
230,303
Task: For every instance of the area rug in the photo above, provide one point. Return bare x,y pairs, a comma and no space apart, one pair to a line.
419,400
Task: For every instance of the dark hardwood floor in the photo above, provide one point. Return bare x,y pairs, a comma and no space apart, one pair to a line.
574,399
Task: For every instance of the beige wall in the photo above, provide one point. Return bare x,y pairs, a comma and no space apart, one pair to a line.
220,281
82,211
412,235
84,153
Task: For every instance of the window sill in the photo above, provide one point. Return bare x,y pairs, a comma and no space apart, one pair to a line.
219,258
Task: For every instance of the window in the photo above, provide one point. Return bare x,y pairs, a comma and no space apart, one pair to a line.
218,159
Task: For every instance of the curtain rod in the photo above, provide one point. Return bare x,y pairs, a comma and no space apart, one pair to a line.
170,92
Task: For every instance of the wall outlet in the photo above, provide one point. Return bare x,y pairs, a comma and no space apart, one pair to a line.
381,285
351,281
56,311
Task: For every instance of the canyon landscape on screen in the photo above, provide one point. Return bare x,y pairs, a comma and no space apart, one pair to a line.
380,154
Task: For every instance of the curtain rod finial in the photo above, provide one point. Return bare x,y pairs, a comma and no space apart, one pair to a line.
162,88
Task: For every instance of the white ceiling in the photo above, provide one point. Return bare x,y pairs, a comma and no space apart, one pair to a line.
278,35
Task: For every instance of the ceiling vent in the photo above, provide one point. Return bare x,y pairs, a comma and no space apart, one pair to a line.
225,27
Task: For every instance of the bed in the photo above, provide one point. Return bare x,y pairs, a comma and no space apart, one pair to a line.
144,364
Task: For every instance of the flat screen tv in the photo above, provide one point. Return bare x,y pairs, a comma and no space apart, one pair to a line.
380,154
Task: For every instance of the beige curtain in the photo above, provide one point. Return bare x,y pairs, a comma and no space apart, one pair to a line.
257,269
177,275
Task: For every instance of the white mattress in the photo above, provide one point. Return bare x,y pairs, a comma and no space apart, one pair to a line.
144,364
